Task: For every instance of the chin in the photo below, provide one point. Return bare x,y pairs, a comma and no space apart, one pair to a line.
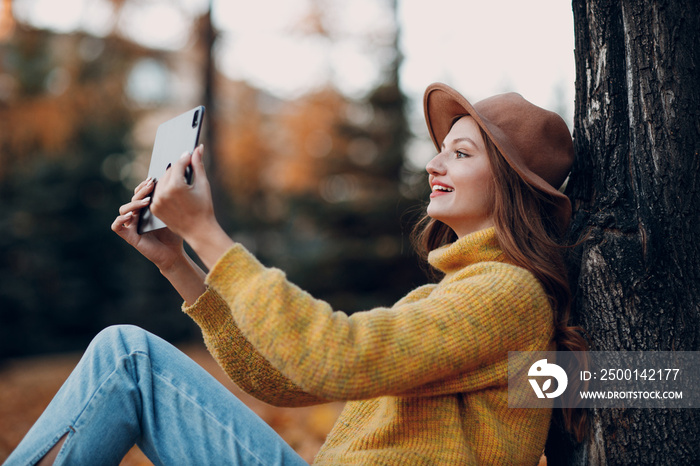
434,213
434,216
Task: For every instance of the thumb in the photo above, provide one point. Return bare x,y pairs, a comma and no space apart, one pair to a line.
197,160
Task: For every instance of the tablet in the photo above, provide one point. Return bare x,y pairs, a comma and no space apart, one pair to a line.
173,138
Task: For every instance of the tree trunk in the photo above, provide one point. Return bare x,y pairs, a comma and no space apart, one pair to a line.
208,37
635,187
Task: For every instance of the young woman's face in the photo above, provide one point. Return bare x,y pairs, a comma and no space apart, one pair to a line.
461,180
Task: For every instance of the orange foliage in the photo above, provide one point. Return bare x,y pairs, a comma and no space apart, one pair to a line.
7,22
49,125
44,124
309,134
242,151
279,151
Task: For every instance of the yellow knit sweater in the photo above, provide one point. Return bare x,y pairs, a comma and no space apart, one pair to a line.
426,380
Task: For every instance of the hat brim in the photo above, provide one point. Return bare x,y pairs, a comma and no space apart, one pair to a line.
443,105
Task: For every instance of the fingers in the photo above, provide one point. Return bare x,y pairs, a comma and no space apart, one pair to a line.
179,174
180,168
140,198
197,162
122,223
128,212
134,205
144,189
143,184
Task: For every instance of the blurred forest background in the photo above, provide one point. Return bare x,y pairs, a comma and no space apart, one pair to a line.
317,185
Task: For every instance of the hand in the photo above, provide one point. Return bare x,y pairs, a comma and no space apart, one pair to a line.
162,247
186,208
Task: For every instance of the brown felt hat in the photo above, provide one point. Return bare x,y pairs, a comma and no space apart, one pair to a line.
534,141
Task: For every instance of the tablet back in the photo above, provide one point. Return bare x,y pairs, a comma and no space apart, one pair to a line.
173,138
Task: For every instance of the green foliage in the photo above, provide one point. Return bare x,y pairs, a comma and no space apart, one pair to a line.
64,275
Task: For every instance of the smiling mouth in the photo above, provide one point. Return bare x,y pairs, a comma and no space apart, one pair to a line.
441,188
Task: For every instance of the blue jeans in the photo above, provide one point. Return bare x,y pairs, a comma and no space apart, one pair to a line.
131,387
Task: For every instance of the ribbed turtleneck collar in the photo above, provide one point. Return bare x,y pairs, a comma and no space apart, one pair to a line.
479,246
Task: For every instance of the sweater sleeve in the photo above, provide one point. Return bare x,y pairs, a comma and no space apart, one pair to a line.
238,358
447,330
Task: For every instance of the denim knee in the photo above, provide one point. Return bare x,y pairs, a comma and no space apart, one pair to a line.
119,330
120,337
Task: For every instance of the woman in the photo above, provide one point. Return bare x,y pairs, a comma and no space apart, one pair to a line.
425,380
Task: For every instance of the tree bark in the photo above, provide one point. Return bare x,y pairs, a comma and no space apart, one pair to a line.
635,187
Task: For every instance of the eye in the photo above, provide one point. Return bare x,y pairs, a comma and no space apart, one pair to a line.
461,155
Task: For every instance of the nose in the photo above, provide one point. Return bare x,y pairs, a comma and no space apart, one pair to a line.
436,166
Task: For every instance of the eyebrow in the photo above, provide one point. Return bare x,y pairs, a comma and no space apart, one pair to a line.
464,139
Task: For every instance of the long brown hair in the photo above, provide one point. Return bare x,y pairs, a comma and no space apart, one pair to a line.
528,232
